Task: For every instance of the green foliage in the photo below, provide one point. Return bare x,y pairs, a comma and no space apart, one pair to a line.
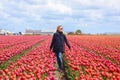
44,76
78,32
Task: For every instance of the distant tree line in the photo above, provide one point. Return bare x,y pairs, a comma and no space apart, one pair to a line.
77,32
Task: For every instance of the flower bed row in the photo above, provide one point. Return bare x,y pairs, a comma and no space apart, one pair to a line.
38,64
107,46
87,65
7,41
6,54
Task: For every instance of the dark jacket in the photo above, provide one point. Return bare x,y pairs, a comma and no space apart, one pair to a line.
58,41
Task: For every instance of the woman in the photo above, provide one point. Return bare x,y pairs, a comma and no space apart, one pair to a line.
58,46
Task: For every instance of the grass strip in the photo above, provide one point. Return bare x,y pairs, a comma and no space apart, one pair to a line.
44,76
68,69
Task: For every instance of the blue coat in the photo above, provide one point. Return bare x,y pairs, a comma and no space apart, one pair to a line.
58,41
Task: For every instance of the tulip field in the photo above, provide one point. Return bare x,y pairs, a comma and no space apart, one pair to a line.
90,58
94,58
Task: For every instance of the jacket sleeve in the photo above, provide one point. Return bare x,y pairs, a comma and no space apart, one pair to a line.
53,40
66,41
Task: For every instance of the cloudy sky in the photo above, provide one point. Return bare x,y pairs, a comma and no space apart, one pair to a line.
91,16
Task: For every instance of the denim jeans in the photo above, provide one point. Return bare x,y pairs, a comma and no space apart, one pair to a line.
60,60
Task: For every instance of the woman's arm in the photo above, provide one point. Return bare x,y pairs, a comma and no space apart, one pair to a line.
66,41
52,43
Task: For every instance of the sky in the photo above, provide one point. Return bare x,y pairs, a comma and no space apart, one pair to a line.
90,16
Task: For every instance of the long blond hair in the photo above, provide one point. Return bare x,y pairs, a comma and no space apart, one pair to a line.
58,27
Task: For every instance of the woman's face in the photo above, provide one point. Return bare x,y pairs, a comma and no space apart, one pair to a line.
60,29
